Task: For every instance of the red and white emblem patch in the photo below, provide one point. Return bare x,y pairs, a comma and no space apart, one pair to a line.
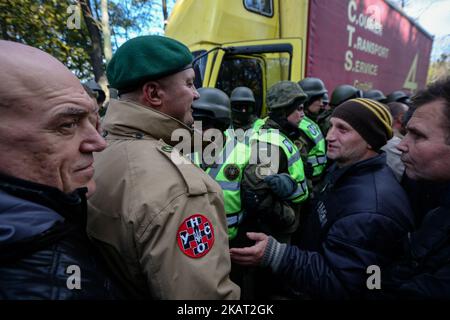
195,236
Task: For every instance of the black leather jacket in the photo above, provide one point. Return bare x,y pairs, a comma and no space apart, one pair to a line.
44,249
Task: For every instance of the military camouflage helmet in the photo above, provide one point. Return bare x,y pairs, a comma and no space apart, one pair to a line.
313,87
374,94
284,94
212,104
398,96
343,93
242,94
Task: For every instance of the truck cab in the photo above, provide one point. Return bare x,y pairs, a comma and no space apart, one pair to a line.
370,44
239,43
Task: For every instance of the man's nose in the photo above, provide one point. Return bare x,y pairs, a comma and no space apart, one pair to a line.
196,94
93,141
402,146
330,134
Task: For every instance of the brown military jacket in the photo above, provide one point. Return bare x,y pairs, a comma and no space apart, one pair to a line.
160,224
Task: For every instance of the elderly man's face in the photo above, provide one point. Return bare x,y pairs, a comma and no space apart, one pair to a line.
49,133
425,153
345,145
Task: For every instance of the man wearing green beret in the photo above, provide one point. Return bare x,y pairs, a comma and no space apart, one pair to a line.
158,219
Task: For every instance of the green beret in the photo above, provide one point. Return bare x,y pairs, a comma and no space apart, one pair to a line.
146,58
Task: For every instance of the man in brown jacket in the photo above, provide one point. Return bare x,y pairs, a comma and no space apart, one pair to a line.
157,218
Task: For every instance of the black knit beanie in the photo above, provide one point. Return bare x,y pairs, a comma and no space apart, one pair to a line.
371,119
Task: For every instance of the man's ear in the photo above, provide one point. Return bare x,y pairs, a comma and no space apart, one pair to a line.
151,94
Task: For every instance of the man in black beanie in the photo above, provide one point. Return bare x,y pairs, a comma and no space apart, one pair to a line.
357,218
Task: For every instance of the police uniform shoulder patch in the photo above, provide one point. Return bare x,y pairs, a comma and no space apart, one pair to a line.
231,171
195,236
312,128
288,144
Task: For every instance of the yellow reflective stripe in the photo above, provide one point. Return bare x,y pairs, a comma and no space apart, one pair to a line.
383,109
378,110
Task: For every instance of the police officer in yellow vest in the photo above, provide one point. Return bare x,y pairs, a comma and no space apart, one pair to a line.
314,139
243,110
212,112
213,109
274,182
158,219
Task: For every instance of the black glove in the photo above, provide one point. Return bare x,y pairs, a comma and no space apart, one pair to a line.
281,184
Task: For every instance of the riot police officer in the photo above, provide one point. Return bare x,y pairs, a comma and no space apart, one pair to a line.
312,138
315,89
272,194
273,189
212,109
242,108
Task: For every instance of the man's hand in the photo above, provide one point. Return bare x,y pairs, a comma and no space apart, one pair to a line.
281,184
250,256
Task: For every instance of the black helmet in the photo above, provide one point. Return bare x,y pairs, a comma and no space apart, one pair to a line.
325,99
242,94
374,94
398,96
343,93
313,87
94,86
242,106
212,108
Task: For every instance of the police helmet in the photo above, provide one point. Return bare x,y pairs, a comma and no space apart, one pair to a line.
374,94
313,87
242,94
343,93
212,107
95,87
398,96
284,94
325,99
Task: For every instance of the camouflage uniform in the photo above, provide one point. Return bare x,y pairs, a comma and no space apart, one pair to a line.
265,210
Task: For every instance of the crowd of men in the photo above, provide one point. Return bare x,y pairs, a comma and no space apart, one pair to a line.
300,206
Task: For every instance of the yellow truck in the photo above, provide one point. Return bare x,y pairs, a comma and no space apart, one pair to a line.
256,43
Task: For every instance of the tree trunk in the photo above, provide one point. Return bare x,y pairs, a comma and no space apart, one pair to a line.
106,32
4,28
164,10
96,40
95,54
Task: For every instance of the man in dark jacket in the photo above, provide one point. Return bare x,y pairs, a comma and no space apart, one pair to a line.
48,132
423,272
358,217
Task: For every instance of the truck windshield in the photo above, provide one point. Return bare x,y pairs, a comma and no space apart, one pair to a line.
199,67
257,71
